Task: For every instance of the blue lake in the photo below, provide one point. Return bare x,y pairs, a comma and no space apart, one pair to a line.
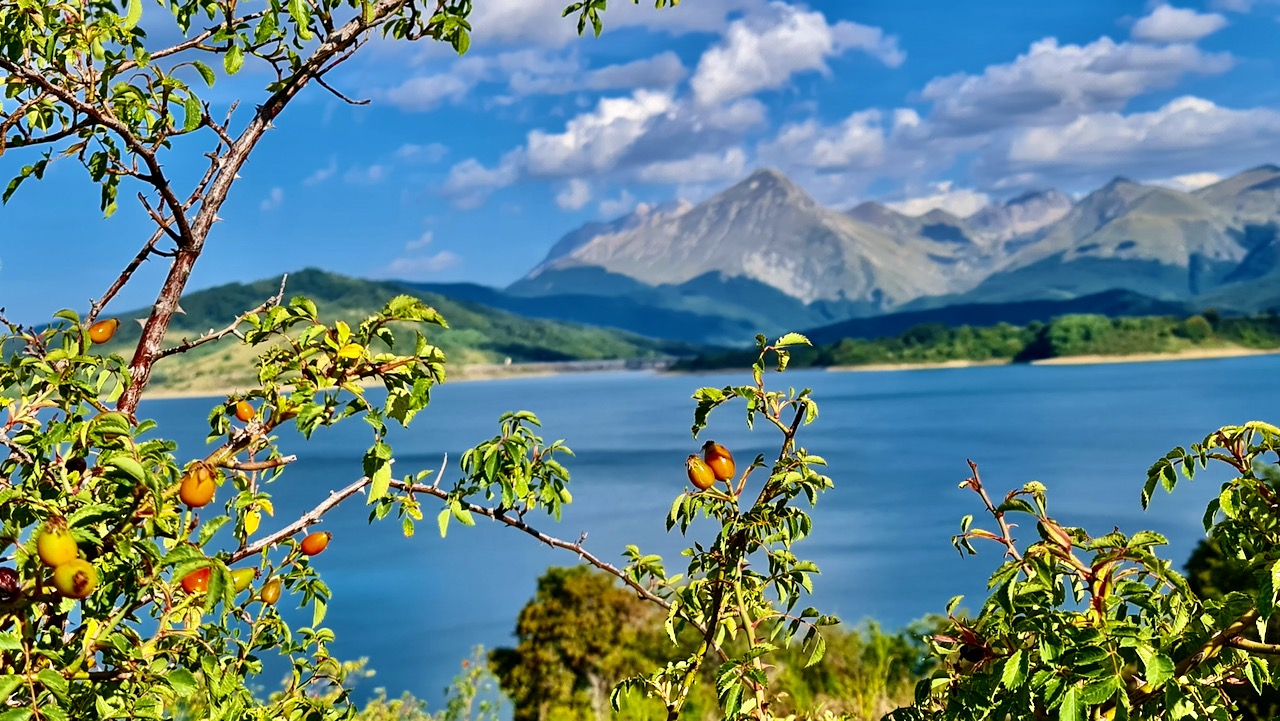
896,444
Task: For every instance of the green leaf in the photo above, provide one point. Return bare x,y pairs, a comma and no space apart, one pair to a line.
8,684
194,114
205,72
182,681
17,714
443,521
9,642
1015,670
791,339
462,514
132,15
1158,668
1070,710
234,59
300,11
56,684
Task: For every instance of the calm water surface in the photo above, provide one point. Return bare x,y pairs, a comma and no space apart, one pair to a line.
896,443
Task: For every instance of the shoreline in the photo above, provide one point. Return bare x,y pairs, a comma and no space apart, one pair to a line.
1073,360
485,374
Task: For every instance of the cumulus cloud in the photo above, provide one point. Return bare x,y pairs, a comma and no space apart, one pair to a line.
960,202
575,194
857,142
470,183
535,21
273,200
553,75
414,267
763,51
617,207
1053,82
595,141
423,93
699,168
1167,24
1186,134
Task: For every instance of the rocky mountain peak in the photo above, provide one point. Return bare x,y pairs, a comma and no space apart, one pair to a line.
1019,216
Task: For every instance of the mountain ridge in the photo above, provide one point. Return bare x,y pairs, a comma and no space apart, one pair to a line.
1185,247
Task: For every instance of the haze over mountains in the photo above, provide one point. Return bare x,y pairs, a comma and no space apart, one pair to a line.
763,255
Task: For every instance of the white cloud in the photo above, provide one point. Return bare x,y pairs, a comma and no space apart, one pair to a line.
699,168
595,141
370,175
619,206
1167,24
429,153
322,174
858,142
960,202
1189,181
762,51
1054,83
538,21
423,93
575,194
470,183
423,241
1187,134
273,200
660,71
411,268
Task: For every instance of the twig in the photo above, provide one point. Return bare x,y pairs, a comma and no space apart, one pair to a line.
307,519
1005,532
520,525
1251,646
96,307
211,336
260,465
343,98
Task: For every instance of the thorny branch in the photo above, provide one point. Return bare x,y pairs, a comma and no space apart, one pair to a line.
213,335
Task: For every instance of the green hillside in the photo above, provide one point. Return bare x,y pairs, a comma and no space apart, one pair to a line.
477,334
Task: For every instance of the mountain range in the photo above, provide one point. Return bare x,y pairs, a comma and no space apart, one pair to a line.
764,256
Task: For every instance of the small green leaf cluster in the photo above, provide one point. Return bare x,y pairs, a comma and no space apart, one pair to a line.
740,591
514,467
1100,627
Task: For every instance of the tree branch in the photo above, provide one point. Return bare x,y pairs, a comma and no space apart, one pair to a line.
99,115
147,249
212,335
215,194
307,519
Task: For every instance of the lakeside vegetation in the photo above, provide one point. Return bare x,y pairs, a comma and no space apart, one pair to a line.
477,336
1063,337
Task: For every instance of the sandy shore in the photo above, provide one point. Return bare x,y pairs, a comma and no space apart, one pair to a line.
918,366
1189,354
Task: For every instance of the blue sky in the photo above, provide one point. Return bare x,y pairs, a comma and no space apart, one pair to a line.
469,169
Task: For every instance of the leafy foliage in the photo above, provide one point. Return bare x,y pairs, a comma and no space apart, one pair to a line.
1098,626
